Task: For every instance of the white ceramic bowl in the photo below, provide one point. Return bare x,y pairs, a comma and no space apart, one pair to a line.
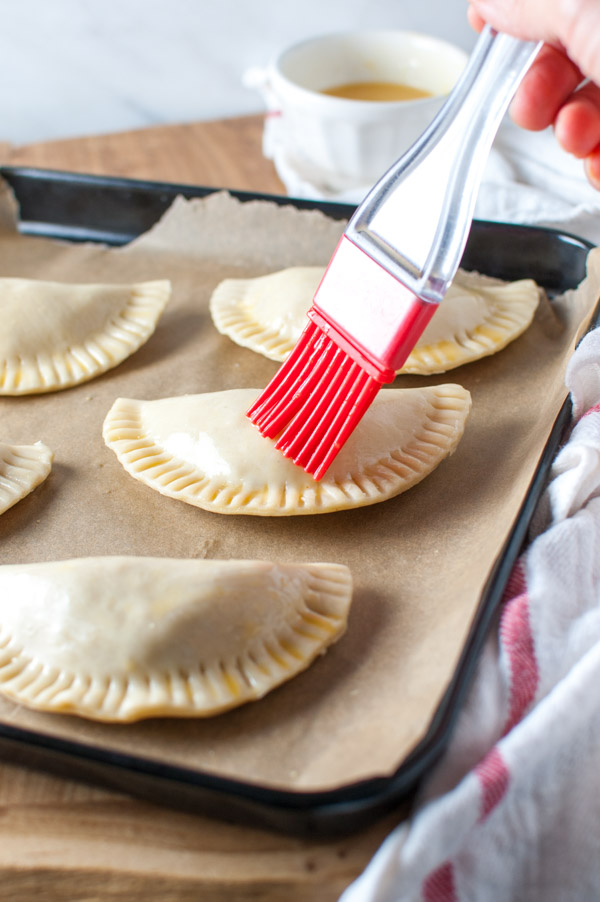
358,140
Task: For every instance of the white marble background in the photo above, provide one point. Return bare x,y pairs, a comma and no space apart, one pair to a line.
77,67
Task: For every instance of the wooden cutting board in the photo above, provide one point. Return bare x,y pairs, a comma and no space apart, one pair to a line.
61,840
225,154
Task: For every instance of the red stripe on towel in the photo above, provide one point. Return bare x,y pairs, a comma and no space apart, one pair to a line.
594,409
515,584
439,885
494,777
492,772
517,640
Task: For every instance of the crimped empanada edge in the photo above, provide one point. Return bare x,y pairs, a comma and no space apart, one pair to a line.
320,620
100,352
509,318
22,470
246,331
389,476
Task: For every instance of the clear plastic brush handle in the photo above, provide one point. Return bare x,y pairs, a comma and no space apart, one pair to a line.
416,220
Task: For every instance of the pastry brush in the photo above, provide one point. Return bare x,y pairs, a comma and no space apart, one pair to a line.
392,266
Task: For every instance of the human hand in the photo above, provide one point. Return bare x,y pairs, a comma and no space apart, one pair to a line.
562,88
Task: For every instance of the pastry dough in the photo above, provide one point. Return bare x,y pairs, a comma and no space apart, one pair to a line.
123,638
203,449
22,468
55,335
478,316
267,313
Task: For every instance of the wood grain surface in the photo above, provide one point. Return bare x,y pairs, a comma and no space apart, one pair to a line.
223,154
68,841
62,840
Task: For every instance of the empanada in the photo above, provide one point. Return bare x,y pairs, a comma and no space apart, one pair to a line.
124,638
202,449
478,316
55,335
266,313
22,468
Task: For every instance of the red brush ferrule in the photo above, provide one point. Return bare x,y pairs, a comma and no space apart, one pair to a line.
352,348
378,319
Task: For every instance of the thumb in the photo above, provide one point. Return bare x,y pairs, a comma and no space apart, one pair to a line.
532,20
592,168
573,26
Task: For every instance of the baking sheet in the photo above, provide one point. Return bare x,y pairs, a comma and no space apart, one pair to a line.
420,561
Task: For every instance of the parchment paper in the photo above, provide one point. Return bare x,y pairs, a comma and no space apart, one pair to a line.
419,561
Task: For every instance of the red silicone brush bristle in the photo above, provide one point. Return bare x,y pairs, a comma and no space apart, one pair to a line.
314,401
362,325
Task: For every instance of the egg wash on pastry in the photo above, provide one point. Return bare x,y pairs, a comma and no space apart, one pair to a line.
56,335
203,450
119,639
478,316
22,469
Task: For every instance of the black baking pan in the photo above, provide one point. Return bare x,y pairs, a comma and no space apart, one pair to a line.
114,211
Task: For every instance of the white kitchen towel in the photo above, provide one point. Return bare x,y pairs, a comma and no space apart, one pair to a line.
512,812
528,179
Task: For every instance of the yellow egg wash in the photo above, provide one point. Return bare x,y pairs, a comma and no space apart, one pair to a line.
377,91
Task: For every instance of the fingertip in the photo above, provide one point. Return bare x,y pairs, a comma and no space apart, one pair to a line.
527,114
592,168
577,125
474,19
547,85
533,106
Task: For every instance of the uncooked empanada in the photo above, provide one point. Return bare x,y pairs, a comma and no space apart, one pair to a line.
123,638
478,316
267,313
22,468
55,335
203,449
